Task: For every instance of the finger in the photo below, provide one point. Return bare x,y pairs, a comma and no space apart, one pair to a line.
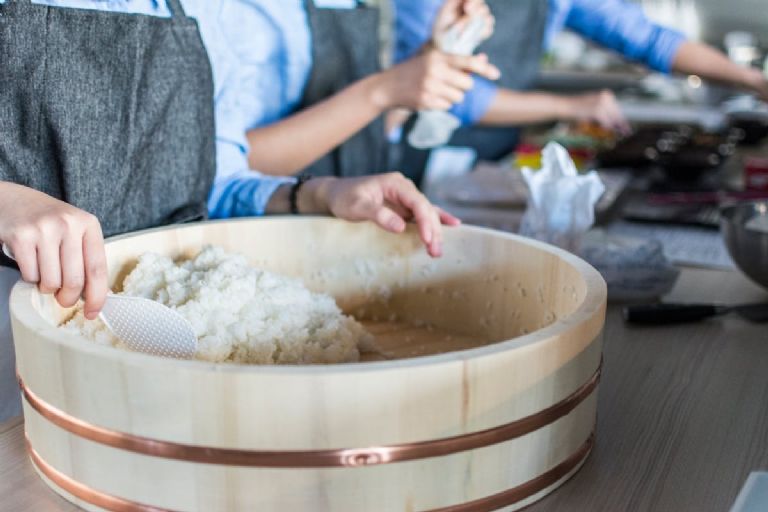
475,7
49,264
623,127
477,64
435,249
72,271
95,265
401,211
25,255
402,191
449,93
480,10
621,122
604,120
614,119
437,103
448,14
426,218
458,79
388,220
446,218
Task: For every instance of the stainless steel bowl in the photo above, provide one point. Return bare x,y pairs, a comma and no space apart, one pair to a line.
748,245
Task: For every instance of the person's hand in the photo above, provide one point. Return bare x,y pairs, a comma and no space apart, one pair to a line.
431,80
56,245
458,13
601,108
758,83
388,200
762,90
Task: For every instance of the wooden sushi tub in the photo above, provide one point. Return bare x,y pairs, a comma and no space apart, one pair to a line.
496,425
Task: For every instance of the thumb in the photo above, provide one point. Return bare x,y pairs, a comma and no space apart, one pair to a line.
388,220
477,64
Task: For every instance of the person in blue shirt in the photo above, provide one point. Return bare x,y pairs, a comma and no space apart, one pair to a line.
32,203
525,28
113,129
320,111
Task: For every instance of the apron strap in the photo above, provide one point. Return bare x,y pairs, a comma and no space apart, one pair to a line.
177,11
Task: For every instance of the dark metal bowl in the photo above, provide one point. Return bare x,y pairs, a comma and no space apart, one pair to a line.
748,247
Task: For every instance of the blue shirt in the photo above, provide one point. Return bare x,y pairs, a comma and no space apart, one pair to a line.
615,24
272,47
236,34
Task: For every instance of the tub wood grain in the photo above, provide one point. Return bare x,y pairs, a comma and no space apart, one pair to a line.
635,465
540,312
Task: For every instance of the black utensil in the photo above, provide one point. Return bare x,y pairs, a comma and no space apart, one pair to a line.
666,314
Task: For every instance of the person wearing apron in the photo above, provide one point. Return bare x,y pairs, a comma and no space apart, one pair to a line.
329,122
111,113
343,52
523,29
107,126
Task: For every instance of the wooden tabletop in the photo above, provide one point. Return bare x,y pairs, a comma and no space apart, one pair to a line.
683,416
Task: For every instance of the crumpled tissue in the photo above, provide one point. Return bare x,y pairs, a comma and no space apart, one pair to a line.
561,204
561,211
435,127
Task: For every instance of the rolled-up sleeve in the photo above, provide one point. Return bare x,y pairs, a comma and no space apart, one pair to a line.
239,191
413,24
476,102
625,28
261,57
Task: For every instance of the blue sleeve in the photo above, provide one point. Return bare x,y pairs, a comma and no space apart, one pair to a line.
476,102
413,25
238,191
243,194
624,27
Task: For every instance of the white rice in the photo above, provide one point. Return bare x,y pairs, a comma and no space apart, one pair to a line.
241,314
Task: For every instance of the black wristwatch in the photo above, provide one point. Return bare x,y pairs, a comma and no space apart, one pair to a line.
294,196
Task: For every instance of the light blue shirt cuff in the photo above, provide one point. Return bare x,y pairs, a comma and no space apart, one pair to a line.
668,43
623,27
476,102
243,194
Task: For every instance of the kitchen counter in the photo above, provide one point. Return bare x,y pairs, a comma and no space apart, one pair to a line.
683,416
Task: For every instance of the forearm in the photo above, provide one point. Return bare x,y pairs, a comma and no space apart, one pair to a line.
292,144
312,198
510,108
699,59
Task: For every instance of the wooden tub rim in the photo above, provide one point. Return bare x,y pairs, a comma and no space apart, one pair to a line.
592,306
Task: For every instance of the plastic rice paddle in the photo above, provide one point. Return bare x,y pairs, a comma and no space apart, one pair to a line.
144,325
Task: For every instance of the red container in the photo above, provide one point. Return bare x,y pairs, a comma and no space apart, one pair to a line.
756,173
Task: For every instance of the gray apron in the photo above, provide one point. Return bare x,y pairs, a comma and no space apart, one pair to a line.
110,112
516,48
345,49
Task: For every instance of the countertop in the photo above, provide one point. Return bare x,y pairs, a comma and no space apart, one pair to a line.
682,417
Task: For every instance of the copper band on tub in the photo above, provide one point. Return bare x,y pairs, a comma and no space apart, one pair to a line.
494,502
313,458
83,492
